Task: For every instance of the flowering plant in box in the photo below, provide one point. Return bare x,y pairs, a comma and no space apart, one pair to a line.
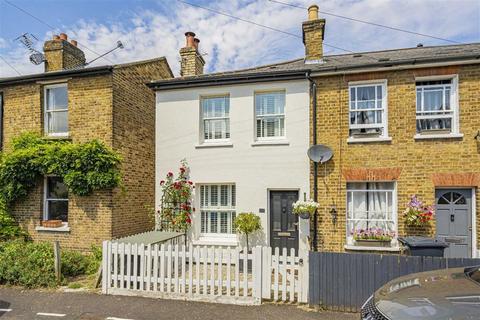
417,213
301,207
373,234
177,208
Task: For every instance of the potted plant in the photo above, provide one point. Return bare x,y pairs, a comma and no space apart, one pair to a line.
373,237
247,223
305,208
417,214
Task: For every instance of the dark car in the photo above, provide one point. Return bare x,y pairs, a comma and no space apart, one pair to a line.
449,294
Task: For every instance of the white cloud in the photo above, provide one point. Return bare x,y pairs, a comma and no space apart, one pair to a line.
231,44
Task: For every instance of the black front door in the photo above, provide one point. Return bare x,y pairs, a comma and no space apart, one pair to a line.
283,223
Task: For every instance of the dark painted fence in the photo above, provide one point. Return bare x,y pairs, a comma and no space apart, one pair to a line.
343,281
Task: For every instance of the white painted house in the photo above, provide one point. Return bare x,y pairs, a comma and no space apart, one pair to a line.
245,135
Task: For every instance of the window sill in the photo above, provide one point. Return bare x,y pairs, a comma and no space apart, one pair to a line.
216,241
58,137
63,228
214,145
279,142
438,136
364,248
367,140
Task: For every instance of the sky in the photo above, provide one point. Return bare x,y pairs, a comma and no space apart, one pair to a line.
154,28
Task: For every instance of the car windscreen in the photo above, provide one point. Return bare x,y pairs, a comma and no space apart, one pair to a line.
474,274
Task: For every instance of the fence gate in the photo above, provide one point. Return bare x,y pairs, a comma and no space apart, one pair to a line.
225,275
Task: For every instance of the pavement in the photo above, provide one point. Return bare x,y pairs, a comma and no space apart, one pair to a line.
47,305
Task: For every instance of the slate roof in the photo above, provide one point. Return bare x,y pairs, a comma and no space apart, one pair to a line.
334,63
86,71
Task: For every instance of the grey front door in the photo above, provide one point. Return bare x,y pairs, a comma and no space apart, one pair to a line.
454,221
283,223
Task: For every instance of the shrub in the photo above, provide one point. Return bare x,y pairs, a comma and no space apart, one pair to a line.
31,264
27,264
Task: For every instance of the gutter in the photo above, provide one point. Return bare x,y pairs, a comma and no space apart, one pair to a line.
56,74
227,79
313,94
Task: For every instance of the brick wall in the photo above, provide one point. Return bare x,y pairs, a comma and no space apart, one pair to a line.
417,160
90,117
134,138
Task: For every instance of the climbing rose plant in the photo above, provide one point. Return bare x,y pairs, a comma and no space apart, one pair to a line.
176,207
417,213
85,168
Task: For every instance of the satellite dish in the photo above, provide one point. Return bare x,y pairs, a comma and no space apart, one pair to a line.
320,153
36,58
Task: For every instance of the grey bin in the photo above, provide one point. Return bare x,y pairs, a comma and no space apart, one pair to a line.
423,246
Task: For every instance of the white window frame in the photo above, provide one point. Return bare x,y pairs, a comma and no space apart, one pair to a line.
276,115
46,111
394,213
454,106
203,119
229,209
384,124
46,199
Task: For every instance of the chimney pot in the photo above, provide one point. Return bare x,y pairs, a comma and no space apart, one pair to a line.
63,36
313,12
74,42
189,36
56,37
196,42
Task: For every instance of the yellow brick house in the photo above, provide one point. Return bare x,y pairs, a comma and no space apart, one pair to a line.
400,123
78,103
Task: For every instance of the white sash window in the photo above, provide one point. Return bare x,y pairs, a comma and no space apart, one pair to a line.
436,107
270,115
368,110
56,110
216,118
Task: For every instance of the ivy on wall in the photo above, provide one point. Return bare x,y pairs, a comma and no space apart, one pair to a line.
84,168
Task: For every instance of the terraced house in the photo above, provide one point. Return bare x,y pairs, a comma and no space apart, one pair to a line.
78,103
399,122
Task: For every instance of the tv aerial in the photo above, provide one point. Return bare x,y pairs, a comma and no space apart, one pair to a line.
28,40
119,46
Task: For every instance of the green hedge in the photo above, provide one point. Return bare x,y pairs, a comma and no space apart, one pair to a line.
31,264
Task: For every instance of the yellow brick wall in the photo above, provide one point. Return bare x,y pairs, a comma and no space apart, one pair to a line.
418,159
90,117
134,138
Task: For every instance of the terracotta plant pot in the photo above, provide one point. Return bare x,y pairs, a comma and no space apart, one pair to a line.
52,223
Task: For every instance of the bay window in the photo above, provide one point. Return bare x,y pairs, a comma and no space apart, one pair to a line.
436,107
56,110
217,209
215,118
371,205
270,115
368,110
56,199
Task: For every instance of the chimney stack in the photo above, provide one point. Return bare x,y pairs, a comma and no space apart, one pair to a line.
61,54
313,35
192,62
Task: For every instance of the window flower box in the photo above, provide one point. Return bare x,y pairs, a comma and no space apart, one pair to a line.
373,237
373,243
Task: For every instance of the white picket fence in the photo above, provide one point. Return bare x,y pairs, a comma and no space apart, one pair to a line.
201,273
